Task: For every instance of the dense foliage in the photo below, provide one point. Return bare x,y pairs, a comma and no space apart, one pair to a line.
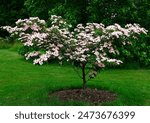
78,11
101,11
11,11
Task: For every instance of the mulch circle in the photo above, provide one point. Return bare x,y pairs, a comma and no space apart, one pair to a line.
92,96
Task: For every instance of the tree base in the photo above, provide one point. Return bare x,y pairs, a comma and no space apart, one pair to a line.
92,96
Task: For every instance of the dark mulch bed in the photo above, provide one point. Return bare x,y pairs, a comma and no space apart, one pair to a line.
92,96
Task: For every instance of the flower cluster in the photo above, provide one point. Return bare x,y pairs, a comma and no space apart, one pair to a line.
43,42
96,42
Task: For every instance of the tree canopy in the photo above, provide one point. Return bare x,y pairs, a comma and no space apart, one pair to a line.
107,12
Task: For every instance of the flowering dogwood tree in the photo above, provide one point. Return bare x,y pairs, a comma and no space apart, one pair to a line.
89,47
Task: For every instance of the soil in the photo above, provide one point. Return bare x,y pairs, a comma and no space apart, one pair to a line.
93,96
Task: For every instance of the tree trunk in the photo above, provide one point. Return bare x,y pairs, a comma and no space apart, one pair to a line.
83,76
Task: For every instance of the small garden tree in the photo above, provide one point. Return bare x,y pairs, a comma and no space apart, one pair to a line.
89,47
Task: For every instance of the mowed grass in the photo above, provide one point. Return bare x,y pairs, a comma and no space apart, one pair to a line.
22,83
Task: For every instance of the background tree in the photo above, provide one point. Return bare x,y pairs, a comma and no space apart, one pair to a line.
10,12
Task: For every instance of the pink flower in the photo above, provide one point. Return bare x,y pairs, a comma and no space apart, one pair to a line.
101,65
35,27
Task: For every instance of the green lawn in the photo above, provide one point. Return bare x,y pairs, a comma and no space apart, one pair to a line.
22,83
